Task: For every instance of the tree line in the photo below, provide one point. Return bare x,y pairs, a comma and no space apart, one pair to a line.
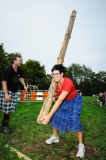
87,81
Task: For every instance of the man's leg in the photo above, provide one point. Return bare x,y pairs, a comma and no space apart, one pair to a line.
4,127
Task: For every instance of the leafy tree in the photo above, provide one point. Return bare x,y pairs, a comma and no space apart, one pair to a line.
85,80
100,80
81,76
3,61
35,74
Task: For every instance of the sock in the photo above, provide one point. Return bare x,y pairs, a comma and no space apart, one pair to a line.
81,144
6,117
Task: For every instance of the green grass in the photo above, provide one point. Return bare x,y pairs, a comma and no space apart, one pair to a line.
29,137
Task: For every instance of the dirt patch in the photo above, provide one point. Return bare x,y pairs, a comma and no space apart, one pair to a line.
14,140
60,151
64,150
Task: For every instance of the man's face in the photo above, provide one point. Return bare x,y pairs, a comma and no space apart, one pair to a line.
18,61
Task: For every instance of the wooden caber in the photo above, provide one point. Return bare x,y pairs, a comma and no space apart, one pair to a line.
60,59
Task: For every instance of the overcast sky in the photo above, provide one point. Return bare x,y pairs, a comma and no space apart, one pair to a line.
36,29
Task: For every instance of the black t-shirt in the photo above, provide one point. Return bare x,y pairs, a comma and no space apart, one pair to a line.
12,78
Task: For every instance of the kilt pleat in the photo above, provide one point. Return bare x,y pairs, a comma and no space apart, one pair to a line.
8,106
67,116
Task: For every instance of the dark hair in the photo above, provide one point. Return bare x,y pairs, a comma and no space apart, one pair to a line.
59,67
15,57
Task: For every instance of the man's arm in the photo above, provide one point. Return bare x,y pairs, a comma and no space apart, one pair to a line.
4,86
23,83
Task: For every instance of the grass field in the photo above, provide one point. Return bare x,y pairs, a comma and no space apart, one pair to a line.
29,137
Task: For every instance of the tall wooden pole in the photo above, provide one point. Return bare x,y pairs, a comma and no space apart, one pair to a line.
60,59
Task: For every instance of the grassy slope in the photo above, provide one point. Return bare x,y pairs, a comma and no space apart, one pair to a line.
29,137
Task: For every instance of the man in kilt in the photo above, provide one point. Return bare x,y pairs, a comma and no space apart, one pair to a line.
12,75
65,113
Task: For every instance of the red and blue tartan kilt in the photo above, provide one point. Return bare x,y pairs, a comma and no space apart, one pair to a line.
8,106
67,116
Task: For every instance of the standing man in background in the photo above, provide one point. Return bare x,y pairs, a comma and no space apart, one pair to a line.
8,94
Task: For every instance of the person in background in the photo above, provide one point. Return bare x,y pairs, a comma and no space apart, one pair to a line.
80,93
104,98
101,100
65,113
8,94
